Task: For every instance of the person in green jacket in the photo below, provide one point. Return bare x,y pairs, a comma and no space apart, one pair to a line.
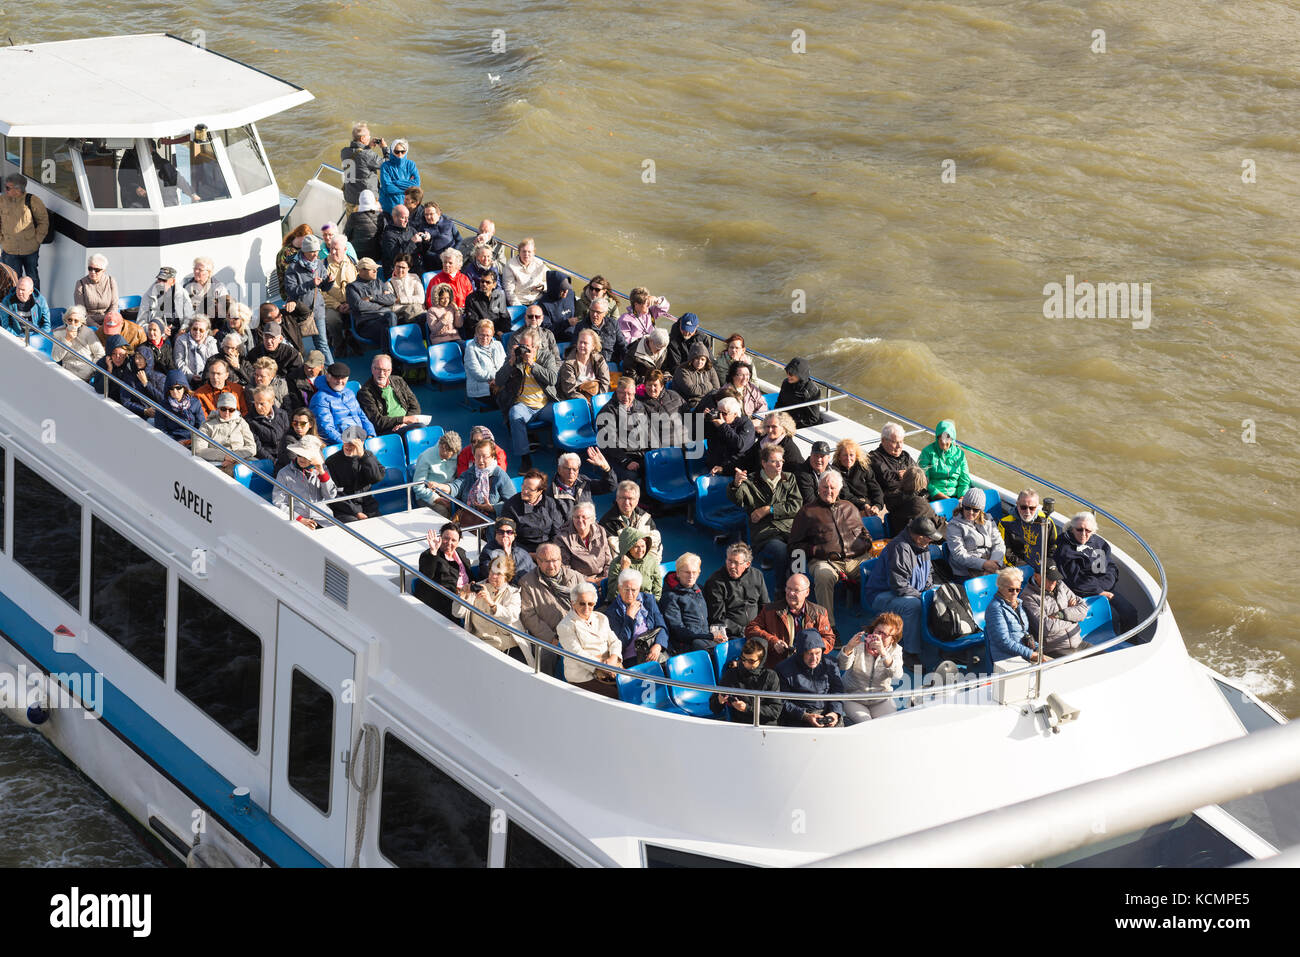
634,552
944,462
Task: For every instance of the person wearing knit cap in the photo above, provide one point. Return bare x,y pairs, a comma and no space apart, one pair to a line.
798,388
975,546
807,671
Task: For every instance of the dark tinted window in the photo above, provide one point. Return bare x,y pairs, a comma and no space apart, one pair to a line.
311,729
218,665
128,595
524,850
1183,842
47,534
4,462
425,818
671,857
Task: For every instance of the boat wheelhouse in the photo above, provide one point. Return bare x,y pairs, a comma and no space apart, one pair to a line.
276,696
151,167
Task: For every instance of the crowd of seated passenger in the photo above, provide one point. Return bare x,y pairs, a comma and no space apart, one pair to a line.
277,392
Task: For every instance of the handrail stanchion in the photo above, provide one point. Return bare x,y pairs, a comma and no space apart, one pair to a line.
758,708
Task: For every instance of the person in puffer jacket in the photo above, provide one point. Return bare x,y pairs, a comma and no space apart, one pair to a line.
396,173
227,427
798,387
334,405
685,609
944,462
180,403
975,545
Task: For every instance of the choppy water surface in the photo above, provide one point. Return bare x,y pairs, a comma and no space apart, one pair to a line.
777,171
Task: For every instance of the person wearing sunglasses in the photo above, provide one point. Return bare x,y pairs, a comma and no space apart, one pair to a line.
396,174
748,673
96,291
1020,531
974,545
1006,623
585,631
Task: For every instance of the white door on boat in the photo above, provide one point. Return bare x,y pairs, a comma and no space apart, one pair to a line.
313,720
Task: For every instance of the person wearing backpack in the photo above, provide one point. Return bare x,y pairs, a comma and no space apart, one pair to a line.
24,225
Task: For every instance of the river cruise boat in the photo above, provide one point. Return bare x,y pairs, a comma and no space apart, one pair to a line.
256,693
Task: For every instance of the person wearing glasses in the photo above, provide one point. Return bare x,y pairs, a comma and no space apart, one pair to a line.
1006,623
96,292
1089,568
585,631
747,673
536,516
24,224
1021,531
396,174
505,544
974,545
598,320
73,335
180,402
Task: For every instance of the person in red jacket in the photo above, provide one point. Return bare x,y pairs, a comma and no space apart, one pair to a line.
780,620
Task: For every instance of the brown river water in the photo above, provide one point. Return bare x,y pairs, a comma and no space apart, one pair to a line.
915,173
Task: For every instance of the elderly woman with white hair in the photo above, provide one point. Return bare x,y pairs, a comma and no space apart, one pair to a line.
396,174
1006,624
524,274
585,372
584,545
209,297
239,322
500,599
585,631
889,463
451,275
1088,567
975,545
96,292
78,339
635,617
649,354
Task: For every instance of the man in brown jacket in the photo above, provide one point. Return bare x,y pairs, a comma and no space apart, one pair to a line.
24,224
828,539
545,597
780,620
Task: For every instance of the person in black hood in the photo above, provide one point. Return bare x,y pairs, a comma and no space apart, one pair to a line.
798,387
748,674
354,468
558,304
808,672
267,421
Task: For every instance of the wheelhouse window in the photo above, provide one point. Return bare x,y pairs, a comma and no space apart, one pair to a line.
187,169
128,595
524,850
114,174
49,163
11,151
218,665
426,819
47,534
4,463
251,171
311,732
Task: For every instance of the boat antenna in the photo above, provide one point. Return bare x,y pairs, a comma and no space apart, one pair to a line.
1044,525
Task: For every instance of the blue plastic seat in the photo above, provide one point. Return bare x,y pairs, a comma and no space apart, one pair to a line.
599,402
770,399
519,483
406,343
712,507
259,484
947,507
128,302
363,339
573,429
1097,626
243,475
695,666
389,450
665,476
516,317
697,458
446,363
426,278
56,317
329,450
724,654
875,527
42,345
419,440
646,693
355,386
390,502
992,503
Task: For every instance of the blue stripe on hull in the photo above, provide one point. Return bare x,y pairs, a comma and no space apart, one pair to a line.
159,746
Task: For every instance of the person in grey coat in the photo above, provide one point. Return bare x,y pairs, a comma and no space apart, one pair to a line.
975,545
1064,609
361,164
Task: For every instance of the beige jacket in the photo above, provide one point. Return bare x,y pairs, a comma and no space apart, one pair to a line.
591,639
504,608
22,229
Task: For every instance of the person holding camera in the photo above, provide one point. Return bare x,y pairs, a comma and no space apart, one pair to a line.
500,599
526,390
748,673
873,661
361,165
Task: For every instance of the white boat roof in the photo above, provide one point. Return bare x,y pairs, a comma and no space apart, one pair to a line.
100,87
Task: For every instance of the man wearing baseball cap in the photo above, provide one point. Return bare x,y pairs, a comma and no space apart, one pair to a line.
808,473
225,427
167,300
305,282
1064,610
898,578
371,304
681,336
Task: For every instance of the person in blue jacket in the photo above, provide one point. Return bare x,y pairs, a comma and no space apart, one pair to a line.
635,617
1005,621
396,175
31,305
685,609
180,402
899,577
808,672
335,406
484,486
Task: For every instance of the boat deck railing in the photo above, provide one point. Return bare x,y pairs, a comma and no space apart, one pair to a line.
406,571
